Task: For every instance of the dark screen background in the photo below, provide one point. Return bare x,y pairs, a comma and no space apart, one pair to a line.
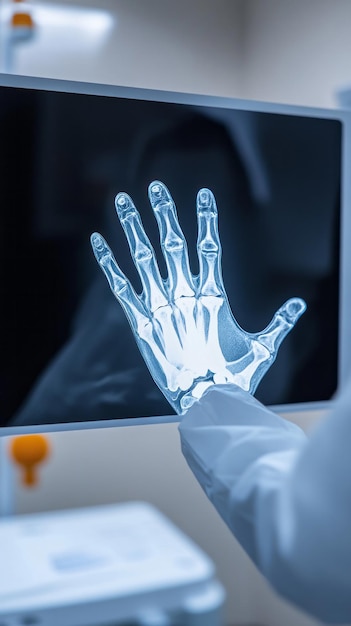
67,353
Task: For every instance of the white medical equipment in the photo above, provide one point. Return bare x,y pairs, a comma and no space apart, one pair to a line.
102,565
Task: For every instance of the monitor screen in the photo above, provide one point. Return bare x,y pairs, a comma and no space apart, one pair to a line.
68,355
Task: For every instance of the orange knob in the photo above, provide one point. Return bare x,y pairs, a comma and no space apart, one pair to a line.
22,19
28,451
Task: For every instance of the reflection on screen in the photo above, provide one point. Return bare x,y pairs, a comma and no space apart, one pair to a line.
68,354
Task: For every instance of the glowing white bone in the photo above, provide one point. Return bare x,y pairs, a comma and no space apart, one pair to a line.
184,327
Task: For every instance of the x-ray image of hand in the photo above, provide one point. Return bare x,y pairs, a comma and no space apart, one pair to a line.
183,325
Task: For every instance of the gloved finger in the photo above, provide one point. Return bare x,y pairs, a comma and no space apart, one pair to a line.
142,252
283,321
173,242
208,245
119,284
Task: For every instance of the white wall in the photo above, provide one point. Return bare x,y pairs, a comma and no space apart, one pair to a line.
186,46
296,52
278,50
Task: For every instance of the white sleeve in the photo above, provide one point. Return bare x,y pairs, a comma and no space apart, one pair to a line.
286,498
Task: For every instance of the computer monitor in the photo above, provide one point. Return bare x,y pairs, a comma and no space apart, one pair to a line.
280,178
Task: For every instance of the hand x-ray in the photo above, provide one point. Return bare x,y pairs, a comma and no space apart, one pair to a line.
183,325
69,354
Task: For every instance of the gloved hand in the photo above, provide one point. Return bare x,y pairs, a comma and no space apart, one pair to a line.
184,326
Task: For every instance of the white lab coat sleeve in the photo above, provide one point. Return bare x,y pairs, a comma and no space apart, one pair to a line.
286,498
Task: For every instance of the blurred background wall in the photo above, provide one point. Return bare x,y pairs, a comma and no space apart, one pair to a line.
295,52
185,46
276,50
